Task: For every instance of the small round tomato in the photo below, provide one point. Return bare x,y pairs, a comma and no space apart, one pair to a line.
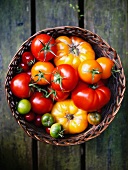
23,106
47,120
94,118
91,97
56,130
107,65
90,71
40,104
20,85
22,67
43,47
41,72
72,50
64,78
28,58
37,121
47,129
30,116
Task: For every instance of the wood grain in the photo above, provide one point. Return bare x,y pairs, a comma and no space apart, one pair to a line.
15,147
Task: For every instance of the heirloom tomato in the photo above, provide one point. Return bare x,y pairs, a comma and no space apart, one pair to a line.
107,66
90,71
94,118
91,97
73,119
57,95
64,77
40,104
72,50
20,85
41,72
43,47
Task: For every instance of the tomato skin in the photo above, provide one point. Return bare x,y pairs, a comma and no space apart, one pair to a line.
41,47
90,71
20,85
41,72
89,98
40,104
107,65
56,130
73,119
64,78
47,119
94,118
72,50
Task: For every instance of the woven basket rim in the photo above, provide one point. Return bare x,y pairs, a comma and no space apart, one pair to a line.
94,131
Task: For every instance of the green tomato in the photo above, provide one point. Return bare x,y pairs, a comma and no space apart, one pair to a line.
47,120
56,130
24,106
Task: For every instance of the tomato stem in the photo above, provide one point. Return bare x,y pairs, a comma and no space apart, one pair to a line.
58,79
40,76
69,116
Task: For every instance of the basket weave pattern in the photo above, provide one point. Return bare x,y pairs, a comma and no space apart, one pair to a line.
116,85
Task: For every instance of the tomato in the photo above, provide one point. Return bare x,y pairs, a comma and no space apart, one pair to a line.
43,47
47,119
37,121
20,85
47,129
57,95
30,116
90,71
41,72
91,97
73,119
23,106
72,50
107,66
28,58
40,104
22,67
64,78
94,118
56,130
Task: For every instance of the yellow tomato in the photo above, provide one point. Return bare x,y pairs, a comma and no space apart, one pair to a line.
73,119
73,51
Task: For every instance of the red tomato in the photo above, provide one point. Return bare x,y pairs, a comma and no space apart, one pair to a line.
28,58
40,104
64,78
57,95
43,47
91,97
20,85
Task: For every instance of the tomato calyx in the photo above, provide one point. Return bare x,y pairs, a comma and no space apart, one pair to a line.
69,116
113,71
40,76
58,79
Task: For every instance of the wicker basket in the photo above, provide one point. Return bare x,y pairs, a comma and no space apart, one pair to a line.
116,85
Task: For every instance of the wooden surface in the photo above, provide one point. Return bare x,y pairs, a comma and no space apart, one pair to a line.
18,21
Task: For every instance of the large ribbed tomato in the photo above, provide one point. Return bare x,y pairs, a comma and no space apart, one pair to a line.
91,97
73,119
72,50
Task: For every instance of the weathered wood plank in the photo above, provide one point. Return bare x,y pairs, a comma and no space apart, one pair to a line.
109,20
51,14
15,28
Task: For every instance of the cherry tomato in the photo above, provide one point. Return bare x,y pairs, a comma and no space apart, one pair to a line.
94,118
43,47
41,72
107,65
30,116
72,50
56,130
47,129
22,67
37,121
28,58
23,106
64,78
90,71
40,104
47,120
20,85
91,97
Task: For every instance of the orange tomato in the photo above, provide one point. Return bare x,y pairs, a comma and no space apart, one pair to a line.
72,50
107,65
73,119
90,71
41,72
